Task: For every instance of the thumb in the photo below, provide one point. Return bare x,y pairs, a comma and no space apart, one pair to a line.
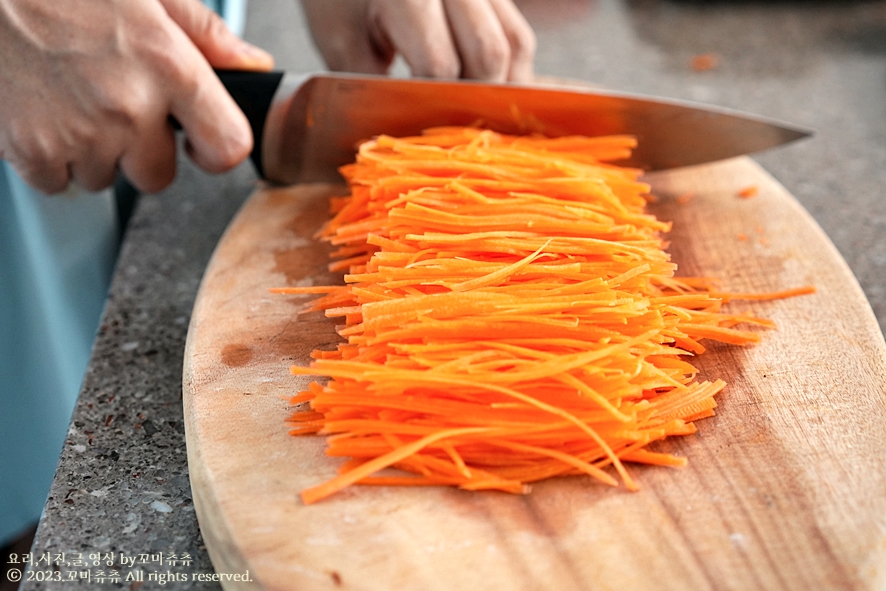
214,39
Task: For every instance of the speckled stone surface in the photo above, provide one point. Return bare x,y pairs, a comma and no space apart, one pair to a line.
122,483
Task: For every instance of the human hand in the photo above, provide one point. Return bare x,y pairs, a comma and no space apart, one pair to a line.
87,86
479,39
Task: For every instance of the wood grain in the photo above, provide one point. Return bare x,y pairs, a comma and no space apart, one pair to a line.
785,489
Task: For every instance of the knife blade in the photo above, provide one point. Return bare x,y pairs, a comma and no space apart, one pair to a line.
306,126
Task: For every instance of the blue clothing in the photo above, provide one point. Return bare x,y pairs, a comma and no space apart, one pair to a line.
56,259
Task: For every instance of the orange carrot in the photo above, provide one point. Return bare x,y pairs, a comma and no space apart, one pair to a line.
510,314
705,61
748,192
685,198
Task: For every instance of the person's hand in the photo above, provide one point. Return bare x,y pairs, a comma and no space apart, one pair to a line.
479,39
87,87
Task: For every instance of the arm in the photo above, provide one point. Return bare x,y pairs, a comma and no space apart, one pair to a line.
87,86
480,39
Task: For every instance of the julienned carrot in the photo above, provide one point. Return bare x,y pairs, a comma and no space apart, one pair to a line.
510,314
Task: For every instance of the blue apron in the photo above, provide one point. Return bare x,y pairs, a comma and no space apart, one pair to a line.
56,259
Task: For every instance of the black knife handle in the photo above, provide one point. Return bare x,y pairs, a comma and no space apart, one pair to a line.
253,93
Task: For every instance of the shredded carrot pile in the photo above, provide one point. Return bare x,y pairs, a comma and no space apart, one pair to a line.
510,315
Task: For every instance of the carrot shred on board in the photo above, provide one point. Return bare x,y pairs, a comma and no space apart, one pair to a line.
510,315
684,198
748,192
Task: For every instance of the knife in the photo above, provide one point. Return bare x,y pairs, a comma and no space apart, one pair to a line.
305,127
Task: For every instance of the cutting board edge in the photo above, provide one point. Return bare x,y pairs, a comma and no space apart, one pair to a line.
208,510
225,559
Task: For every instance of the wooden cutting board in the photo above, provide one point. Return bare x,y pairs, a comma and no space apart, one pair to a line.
785,489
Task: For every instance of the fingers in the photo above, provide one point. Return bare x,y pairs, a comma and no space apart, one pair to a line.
50,161
477,39
149,164
521,41
482,43
95,173
419,30
50,180
174,77
218,134
93,155
212,37
35,161
493,39
341,31
96,82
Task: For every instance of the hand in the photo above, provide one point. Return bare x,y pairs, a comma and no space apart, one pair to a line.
87,86
479,39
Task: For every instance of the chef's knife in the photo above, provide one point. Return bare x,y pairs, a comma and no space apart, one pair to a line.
305,127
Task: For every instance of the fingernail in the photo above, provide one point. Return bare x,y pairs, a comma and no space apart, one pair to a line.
256,55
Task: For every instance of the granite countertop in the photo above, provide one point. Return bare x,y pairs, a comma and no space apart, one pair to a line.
122,487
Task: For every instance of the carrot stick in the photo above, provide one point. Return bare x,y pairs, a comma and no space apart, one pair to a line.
318,492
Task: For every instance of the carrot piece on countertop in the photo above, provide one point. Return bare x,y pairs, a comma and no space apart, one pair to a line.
705,61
